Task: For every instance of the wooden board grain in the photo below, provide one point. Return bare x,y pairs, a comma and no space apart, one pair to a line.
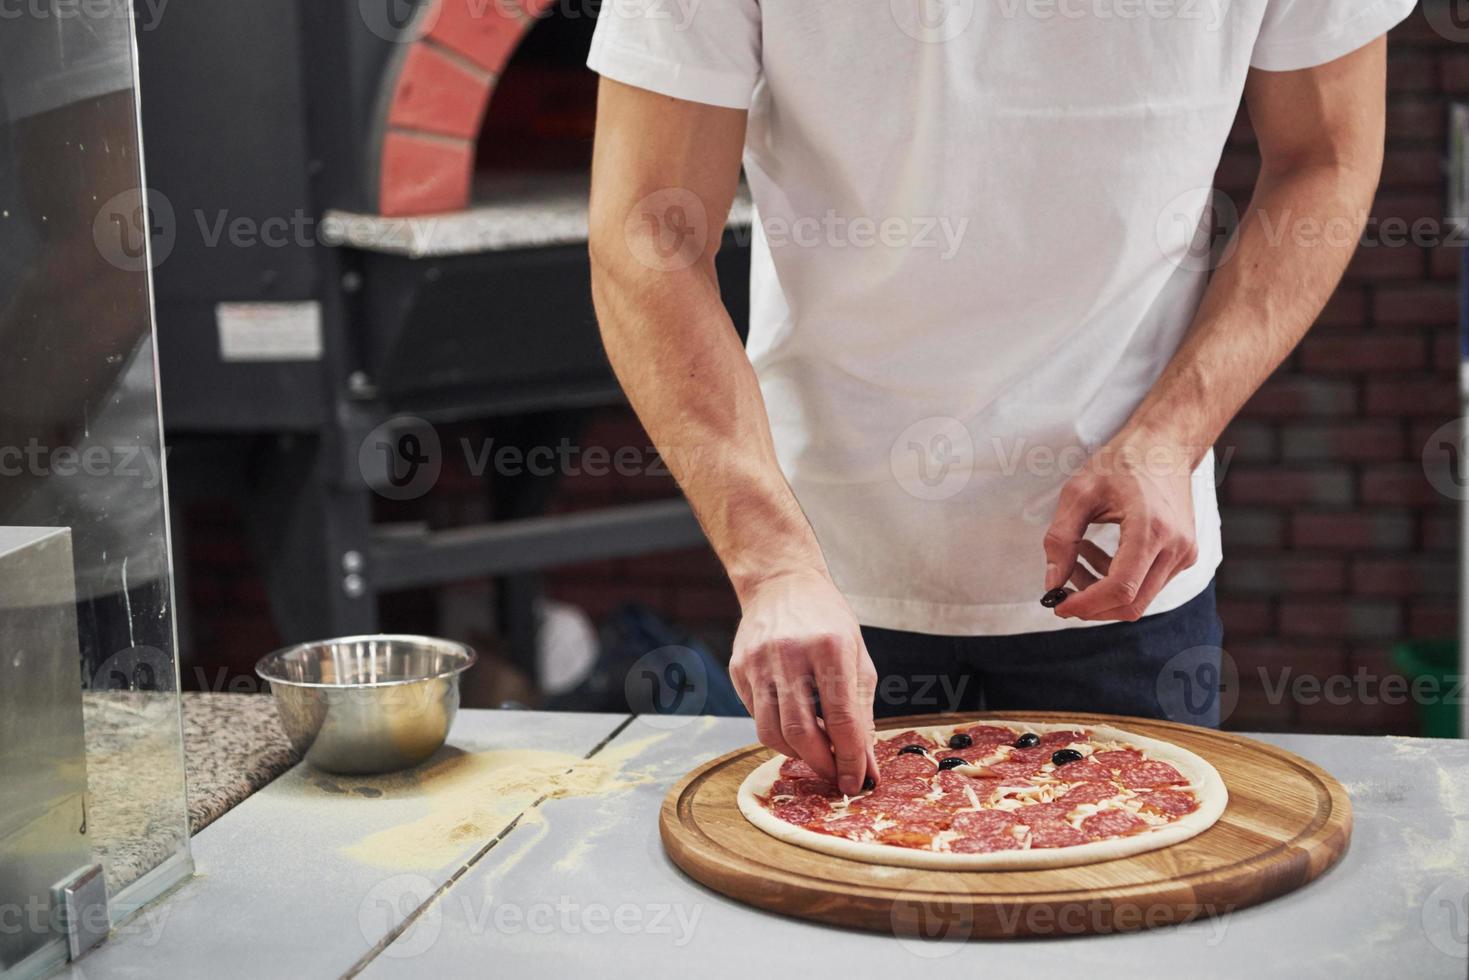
1287,822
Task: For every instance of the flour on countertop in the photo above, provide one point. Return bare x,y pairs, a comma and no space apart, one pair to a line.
473,796
1440,855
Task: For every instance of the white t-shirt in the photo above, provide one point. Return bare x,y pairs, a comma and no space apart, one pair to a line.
977,247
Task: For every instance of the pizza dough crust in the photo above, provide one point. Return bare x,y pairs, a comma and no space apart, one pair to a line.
1203,780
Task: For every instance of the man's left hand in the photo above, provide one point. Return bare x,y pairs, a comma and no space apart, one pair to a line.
1146,487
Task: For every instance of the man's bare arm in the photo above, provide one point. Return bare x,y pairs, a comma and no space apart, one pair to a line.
1320,132
664,175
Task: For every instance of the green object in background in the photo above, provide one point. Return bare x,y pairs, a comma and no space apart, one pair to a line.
1439,660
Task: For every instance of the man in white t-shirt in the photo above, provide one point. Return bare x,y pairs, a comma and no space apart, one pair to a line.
987,355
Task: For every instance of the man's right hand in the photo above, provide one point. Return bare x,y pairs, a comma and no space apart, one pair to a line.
798,639
680,360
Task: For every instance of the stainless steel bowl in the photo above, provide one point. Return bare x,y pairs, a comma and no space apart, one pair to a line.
367,704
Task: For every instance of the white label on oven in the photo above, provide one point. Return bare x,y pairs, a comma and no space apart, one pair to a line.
269,331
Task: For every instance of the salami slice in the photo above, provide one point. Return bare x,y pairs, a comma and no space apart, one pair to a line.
984,845
907,767
889,746
1115,759
1094,792
950,781
984,787
1041,813
1039,754
914,813
1111,823
989,734
1013,770
954,802
1149,773
800,812
908,788
1169,803
852,826
816,787
810,787
956,788
784,787
982,823
797,769
1056,834
881,802
1085,771
1056,740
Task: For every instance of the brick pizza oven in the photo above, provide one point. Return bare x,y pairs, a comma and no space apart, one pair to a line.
434,95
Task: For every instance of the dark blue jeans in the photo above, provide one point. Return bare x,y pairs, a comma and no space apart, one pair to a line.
1162,666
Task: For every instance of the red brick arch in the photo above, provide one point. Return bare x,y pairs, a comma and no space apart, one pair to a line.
437,92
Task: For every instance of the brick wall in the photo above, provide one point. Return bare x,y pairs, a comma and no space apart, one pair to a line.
1336,544
224,617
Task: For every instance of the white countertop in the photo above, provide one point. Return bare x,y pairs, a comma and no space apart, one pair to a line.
310,877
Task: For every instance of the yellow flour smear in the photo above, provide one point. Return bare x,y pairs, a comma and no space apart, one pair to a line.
473,796
1444,855
572,858
619,754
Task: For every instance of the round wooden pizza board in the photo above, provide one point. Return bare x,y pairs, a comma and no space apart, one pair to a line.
1287,822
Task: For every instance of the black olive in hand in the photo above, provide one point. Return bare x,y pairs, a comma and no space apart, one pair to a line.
867,784
1054,598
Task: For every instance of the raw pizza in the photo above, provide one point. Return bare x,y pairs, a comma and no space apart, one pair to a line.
998,795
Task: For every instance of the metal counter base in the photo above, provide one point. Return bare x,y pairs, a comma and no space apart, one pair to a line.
576,883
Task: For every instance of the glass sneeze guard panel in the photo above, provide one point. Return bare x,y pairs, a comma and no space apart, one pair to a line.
91,755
